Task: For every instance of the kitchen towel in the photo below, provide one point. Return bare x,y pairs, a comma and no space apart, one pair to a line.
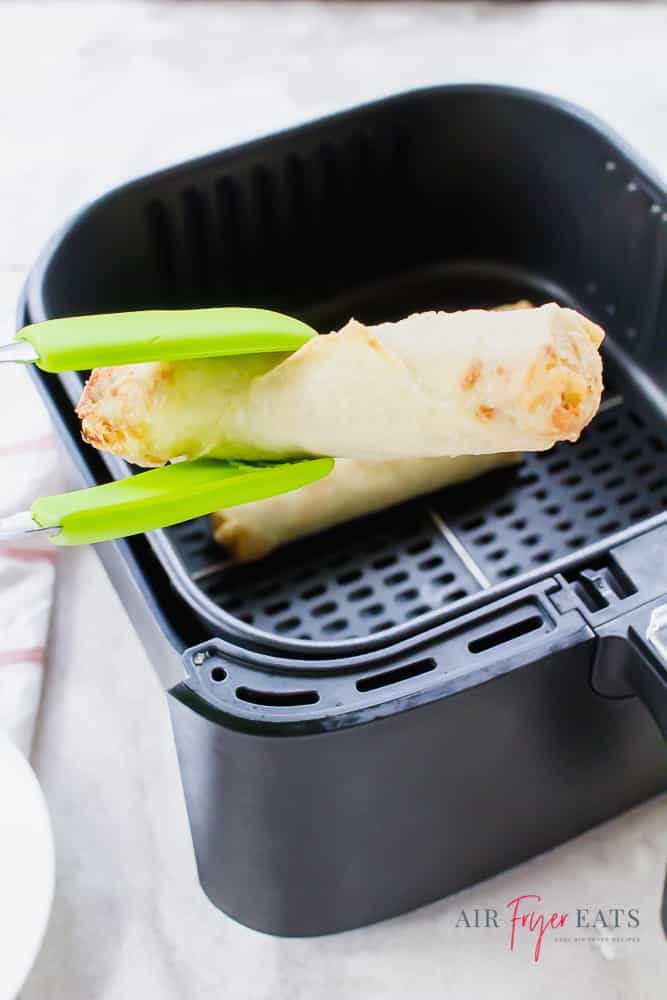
29,468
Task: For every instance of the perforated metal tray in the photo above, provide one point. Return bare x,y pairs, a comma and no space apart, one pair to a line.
401,568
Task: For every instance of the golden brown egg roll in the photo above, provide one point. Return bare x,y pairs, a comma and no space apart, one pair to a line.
435,384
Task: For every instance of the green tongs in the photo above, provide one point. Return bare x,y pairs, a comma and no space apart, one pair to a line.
174,493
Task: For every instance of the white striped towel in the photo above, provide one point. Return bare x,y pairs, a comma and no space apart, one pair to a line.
29,468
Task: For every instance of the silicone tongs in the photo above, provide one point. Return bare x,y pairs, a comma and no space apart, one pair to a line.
174,493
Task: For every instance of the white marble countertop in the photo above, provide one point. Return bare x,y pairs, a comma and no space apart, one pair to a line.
94,93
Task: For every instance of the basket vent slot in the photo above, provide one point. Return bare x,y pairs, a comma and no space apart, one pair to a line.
268,259
396,675
277,699
233,264
195,215
162,240
501,635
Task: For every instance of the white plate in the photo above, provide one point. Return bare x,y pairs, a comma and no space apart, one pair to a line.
26,868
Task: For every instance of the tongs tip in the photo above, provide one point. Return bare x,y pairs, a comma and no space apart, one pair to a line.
18,350
21,524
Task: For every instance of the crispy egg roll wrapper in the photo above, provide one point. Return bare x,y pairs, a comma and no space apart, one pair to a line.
354,487
432,385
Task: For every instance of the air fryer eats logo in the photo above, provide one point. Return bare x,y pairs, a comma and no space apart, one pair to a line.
529,924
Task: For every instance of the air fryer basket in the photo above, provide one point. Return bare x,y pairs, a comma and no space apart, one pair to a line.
382,714
467,197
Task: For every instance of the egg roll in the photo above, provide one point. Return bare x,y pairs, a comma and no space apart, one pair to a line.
354,487
432,385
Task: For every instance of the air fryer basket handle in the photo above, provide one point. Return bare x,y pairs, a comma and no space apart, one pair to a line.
650,683
631,659
647,674
647,670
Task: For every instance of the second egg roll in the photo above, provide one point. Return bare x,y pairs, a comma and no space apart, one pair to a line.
352,489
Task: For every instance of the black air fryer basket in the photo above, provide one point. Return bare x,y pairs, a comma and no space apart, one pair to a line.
383,714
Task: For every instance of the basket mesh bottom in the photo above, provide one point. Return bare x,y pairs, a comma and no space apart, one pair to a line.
563,499
389,568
